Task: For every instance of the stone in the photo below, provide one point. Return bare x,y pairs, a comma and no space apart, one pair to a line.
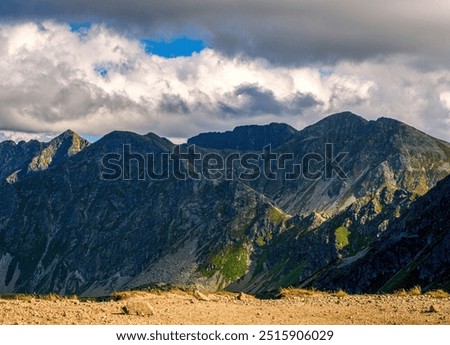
140,308
200,296
242,296
433,309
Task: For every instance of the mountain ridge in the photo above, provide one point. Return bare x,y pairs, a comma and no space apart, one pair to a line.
65,229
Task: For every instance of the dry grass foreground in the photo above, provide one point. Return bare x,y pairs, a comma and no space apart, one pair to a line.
177,307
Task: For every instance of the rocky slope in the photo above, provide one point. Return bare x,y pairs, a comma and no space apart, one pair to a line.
412,251
68,230
65,228
388,165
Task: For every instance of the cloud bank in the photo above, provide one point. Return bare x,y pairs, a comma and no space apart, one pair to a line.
101,79
283,32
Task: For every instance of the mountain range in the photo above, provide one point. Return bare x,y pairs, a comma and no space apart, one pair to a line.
368,212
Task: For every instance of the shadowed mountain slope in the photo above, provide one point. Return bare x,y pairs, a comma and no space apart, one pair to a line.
66,228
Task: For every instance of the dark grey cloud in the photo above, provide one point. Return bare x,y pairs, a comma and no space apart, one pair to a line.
286,31
258,100
172,103
302,101
253,100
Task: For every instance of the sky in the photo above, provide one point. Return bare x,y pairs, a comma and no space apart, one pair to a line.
178,68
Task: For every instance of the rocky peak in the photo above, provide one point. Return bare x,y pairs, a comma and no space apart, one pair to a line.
250,137
335,127
27,157
345,117
115,141
157,139
63,146
380,154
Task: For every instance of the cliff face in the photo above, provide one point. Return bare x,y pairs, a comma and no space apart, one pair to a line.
412,251
65,229
14,157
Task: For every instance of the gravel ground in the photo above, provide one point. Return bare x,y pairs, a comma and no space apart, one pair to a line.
183,308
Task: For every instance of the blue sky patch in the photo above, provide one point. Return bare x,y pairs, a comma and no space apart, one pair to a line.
182,46
91,138
102,71
77,27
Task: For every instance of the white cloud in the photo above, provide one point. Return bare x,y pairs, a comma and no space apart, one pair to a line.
401,91
19,136
444,97
54,79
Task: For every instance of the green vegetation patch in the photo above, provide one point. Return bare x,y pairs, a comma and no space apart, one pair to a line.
231,263
341,234
260,241
275,216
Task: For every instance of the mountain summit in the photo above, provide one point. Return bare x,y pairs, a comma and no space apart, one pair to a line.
35,156
250,137
62,147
